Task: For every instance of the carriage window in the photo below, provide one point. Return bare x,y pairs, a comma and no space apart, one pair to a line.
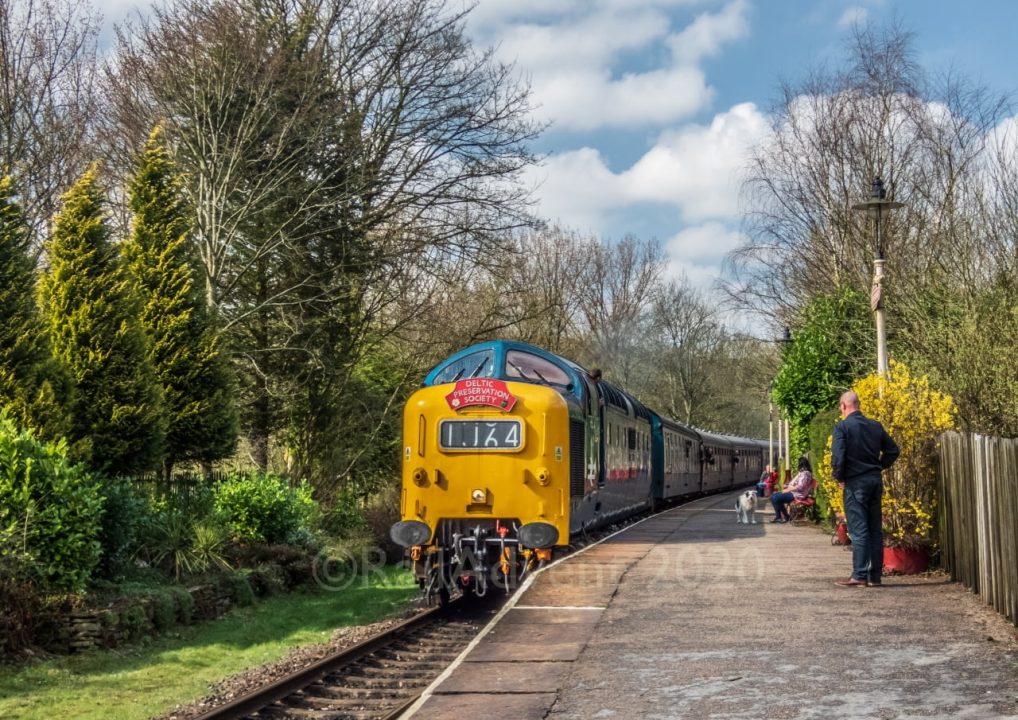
474,365
525,365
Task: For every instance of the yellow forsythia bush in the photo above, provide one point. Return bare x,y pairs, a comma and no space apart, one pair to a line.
913,414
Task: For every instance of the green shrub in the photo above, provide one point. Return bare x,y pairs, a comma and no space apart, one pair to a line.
346,516
263,508
50,511
271,579
163,611
184,603
21,609
819,431
240,589
125,513
134,621
178,545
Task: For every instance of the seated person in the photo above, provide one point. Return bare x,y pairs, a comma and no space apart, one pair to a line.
798,488
762,485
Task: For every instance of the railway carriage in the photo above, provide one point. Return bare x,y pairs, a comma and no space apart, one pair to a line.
752,457
509,451
717,453
676,461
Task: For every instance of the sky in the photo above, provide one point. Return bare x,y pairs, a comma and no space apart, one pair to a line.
652,105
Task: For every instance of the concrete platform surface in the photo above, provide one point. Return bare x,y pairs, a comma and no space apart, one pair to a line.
691,615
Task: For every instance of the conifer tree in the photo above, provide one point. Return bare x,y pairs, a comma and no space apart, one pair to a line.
184,348
91,316
32,387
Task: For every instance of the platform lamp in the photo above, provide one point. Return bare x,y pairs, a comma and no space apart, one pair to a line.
770,424
877,205
785,340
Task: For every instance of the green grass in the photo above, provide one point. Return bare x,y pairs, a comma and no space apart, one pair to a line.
147,681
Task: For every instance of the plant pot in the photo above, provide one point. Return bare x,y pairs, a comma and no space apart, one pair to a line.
905,560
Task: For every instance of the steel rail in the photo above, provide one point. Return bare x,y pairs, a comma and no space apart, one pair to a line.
287,685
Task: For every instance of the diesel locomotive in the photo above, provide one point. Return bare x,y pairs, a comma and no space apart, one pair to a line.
509,451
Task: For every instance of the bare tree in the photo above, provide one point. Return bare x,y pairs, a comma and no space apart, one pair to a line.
614,293
690,339
946,150
832,134
336,149
47,100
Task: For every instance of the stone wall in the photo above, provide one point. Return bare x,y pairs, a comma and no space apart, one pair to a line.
130,618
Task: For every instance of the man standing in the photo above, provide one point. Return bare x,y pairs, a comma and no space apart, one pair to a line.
860,450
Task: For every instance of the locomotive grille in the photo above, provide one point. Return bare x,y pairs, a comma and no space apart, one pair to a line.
576,465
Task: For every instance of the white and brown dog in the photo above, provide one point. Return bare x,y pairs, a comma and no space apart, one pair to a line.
745,508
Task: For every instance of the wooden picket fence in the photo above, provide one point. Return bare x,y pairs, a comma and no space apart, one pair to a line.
979,516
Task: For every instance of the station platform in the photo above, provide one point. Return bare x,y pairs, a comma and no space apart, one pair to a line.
691,615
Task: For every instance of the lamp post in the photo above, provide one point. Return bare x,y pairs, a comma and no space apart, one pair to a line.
876,206
776,462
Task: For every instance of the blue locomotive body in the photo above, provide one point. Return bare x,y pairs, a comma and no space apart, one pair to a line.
511,450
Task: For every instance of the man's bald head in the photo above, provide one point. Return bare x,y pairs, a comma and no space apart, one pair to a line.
849,402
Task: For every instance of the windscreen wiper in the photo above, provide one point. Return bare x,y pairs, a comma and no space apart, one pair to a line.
478,368
518,369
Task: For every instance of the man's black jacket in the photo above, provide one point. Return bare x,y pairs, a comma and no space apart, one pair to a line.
860,447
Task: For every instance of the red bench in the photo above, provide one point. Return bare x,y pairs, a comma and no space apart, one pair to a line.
798,510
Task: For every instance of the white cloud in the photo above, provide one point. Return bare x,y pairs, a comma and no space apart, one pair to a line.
854,15
116,10
697,169
588,99
589,41
705,36
696,252
707,242
575,188
579,57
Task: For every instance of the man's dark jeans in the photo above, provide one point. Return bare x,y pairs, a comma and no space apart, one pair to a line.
862,512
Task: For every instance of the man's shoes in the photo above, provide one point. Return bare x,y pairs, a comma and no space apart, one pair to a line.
851,582
872,583
777,520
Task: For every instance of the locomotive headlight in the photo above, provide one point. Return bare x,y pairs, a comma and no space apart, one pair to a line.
407,533
478,495
420,477
538,535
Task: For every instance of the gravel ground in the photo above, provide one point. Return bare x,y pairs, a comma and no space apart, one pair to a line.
299,657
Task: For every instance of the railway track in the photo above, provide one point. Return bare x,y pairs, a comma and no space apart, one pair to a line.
373,680
379,678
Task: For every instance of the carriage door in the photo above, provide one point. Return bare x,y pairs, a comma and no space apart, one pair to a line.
595,436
